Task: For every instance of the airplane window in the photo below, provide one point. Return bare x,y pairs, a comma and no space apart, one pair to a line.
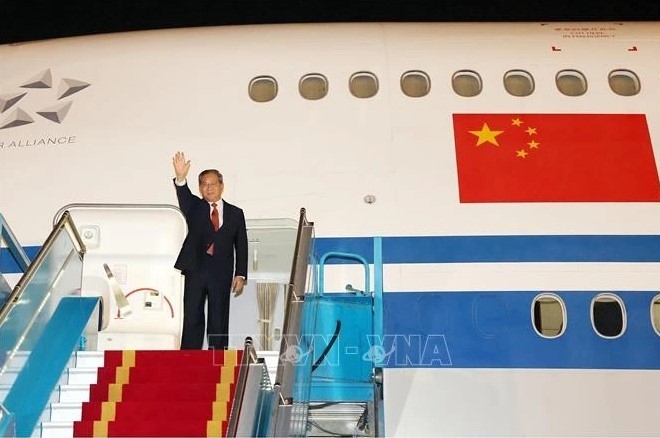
466,83
624,82
571,83
263,89
313,86
655,314
608,315
363,85
415,84
549,315
518,83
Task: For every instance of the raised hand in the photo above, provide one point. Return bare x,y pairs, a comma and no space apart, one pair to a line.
181,166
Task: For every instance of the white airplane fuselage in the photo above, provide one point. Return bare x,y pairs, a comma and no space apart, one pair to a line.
97,119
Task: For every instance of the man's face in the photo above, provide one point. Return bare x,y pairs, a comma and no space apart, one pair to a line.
211,188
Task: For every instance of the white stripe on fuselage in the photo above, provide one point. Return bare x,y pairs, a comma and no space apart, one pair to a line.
422,277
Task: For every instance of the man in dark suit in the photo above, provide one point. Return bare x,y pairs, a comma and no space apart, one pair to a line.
217,237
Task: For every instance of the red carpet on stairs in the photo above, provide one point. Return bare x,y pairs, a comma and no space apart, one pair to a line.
174,393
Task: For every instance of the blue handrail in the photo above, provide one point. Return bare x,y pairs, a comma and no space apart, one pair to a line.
344,255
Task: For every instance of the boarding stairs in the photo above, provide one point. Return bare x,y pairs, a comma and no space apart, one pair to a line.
74,392
321,391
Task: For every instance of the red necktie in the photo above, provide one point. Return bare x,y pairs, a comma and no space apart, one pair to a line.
215,219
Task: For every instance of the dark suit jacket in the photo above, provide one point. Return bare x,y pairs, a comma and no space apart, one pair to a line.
230,238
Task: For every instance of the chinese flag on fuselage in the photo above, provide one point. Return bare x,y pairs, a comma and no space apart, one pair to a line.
555,158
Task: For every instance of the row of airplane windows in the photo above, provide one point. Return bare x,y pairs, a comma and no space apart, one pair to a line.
465,83
608,315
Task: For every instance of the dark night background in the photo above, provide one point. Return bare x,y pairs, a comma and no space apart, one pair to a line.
28,20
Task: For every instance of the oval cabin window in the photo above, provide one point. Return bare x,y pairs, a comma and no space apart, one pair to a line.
466,83
549,315
263,89
624,82
415,84
363,85
313,86
655,314
518,83
608,315
571,83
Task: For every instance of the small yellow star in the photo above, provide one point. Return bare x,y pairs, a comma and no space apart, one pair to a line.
531,131
516,121
522,153
533,144
486,135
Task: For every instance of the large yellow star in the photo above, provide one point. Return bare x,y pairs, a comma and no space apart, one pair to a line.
486,135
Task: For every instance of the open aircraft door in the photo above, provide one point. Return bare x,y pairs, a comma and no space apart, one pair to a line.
129,262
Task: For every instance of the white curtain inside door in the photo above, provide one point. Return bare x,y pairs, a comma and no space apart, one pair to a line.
266,300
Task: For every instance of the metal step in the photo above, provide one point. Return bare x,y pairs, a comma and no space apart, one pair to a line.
53,429
89,359
71,393
63,411
75,376
20,358
66,401
70,376
8,377
81,368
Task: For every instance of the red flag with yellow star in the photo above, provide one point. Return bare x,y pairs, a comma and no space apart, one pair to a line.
555,158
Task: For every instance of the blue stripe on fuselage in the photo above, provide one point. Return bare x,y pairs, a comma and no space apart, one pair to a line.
498,249
473,249
441,329
496,330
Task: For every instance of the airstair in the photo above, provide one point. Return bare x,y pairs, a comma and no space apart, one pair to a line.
323,381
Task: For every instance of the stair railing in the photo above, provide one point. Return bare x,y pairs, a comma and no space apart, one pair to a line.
284,404
54,275
17,253
249,357
271,414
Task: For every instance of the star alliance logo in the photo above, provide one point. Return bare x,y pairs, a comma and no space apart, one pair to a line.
18,116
